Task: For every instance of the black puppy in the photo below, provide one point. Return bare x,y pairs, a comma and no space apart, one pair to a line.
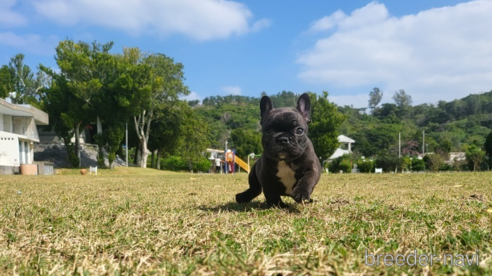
288,165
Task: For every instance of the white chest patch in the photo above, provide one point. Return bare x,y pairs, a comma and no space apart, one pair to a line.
287,176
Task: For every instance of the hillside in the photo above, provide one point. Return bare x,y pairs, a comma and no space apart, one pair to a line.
460,122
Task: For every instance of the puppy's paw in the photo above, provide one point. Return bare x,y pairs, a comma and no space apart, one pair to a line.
301,196
280,205
242,198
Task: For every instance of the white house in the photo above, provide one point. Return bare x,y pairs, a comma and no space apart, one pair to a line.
345,142
18,133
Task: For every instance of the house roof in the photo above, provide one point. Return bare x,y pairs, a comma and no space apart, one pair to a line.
24,110
345,139
338,152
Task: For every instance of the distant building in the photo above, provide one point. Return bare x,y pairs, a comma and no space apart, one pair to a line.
345,147
18,133
455,156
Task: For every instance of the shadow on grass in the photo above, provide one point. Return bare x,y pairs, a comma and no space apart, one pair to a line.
245,207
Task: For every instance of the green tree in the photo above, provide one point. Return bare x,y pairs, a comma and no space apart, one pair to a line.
386,160
246,141
17,77
487,146
444,148
166,133
61,105
375,97
6,81
124,87
284,99
475,156
434,161
402,99
81,79
194,133
325,121
418,165
166,86
377,138
113,136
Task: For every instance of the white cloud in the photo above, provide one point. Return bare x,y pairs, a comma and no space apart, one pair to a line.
261,24
232,90
198,19
327,22
192,96
437,54
9,18
31,43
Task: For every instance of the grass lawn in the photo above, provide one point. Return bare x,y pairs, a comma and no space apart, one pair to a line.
136,221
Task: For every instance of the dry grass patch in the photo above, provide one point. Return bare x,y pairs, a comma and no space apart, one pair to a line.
134,221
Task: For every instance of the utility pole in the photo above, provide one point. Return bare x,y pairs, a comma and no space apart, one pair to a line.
399,144
126,144
423,143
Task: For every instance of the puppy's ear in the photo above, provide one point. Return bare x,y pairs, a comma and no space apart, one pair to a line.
304,106
265,107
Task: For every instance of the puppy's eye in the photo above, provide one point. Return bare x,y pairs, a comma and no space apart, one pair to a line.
299,131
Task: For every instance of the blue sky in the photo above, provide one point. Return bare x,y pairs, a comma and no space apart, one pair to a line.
435,50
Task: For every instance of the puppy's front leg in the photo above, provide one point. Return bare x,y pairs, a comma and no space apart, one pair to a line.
273,198
304,188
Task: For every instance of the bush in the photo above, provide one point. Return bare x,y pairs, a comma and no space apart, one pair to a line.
418,165
365,166
345,166
335,165
203,165
73,159
404,163
177,163
435,162
446,167
174,163
475,157
387,161
461,165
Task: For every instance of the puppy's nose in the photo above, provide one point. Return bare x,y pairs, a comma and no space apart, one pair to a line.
283,140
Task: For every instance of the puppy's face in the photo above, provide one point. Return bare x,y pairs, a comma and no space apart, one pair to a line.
284,129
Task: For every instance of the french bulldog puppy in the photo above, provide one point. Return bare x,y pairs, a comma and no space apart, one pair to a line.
288,165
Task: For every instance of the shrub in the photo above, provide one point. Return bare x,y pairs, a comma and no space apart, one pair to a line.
475,156
173,163
418,165
334,165
426,161
177,163
387,161
461,165
365,166
446,167
435,162
345,166
202,165
73,159
404,163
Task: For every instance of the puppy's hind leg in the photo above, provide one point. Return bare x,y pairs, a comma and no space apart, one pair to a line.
254,188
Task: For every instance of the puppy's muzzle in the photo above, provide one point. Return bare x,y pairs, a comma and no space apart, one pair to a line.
283,140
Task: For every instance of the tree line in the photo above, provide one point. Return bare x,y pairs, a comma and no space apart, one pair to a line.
94,86
436,130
